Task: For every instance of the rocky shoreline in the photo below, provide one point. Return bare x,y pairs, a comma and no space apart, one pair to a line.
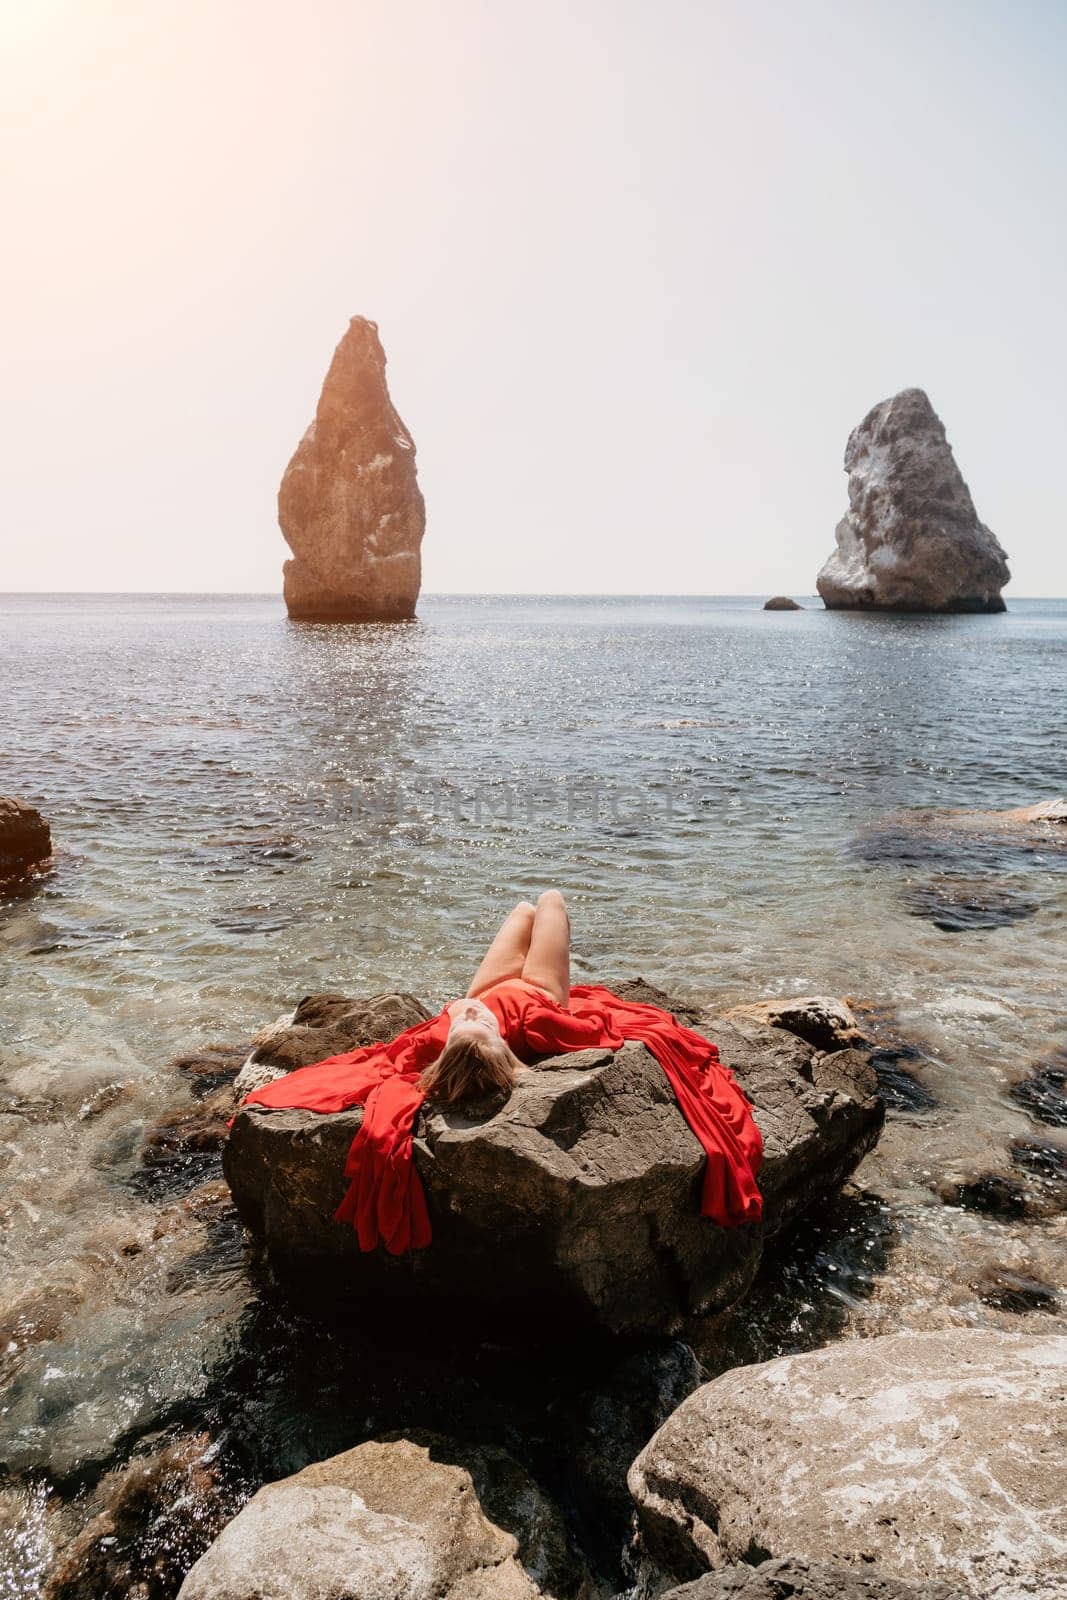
641,1429
382,1510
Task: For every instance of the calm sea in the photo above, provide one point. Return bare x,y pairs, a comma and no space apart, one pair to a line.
247,811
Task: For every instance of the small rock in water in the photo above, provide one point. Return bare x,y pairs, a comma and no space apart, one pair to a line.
911,539
211,1067
1045,1164
965,906
25,843
996,1194
897,1084
182,1149
781,602
895,1059
1037,1188
825,1022
1008,1290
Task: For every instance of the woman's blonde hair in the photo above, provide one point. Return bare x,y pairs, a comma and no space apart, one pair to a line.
469,1066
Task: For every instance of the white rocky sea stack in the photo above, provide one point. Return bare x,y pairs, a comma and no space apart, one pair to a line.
911,539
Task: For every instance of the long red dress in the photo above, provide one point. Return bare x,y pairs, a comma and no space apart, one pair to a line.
385,1201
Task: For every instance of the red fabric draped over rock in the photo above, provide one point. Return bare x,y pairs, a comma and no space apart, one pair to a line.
385,1202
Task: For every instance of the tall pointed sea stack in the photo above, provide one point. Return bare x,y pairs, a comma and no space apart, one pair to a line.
349,505
911,539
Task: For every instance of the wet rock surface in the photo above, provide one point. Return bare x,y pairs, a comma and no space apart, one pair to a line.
25,843
935,1456
781,602
1042,1094
161,1509
588,1170
1045,1165
420,1517
349,505
1017,1292
911,539
794,1579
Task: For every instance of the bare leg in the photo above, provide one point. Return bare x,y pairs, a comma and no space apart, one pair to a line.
548,963
506,954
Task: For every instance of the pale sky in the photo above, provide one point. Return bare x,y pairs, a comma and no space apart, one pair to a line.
638,267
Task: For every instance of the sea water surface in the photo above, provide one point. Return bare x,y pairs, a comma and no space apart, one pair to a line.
247,810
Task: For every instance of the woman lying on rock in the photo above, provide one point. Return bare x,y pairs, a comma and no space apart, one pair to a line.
519,1008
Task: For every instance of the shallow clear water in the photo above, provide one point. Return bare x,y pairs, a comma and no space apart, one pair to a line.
247,811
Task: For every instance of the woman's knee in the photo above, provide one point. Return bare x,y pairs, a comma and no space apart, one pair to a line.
526,908
552,897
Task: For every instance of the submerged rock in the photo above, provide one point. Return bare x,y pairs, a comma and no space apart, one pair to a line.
25,842
781,602
1007,1289
575,1201
925,1455
911,539
995,1194
1045,1164
419,1517
1043,1093
793,1579
1042,818
968,905
349,505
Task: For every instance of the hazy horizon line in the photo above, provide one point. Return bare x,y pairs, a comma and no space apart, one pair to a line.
475,594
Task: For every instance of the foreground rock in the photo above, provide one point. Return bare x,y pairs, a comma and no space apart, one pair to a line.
25,842
781,602
806,1580
575,1200
928,1456
421,1518
349,505
911,539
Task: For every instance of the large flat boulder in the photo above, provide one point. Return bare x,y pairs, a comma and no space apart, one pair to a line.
575,1201
929,1456
418,1518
